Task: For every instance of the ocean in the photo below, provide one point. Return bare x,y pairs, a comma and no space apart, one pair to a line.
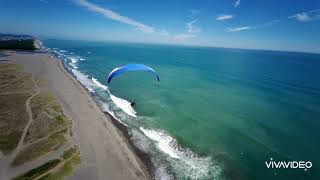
215,114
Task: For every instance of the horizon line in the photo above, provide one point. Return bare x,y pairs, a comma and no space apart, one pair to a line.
179,44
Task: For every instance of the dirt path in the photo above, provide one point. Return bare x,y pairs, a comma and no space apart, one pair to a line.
105,153
6,161
25,130
64,161
15,92
15,171
6,171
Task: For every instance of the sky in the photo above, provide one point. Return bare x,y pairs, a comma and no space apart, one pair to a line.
289,25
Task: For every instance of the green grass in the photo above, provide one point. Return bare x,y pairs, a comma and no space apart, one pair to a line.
13,114
60,121
38,171
10,141
68,153
45,101
48,117
66,169
71,158
40,148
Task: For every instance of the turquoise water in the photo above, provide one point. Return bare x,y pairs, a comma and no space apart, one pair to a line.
216,113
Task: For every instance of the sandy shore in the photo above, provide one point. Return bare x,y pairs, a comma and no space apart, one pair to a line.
105,152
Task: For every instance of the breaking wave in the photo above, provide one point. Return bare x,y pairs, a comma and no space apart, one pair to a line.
183,160
165,152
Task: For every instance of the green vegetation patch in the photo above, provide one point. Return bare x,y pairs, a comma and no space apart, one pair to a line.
10,141
13,79
15,88
32,174
24,44
55,169
13,118
40,148
48,117
68,153
13,114
66,169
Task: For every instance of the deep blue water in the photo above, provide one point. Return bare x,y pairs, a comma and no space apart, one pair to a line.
216,113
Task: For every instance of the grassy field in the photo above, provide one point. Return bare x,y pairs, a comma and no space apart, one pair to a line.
48,117
13,79
38,171
48,131
59,167
13,114
66,169
67,154
49,128
9,141
40,148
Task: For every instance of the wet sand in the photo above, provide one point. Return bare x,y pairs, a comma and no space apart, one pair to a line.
105,151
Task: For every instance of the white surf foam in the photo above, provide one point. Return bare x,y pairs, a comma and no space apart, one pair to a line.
92,84
124,105
84,80
81,77
185,161
72,59
182,159
73,65
105,108
163,141
99,84
90,89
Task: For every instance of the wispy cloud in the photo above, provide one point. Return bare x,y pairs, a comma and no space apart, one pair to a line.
224,17
307,16
109,14
191,28
263,25
164,32
43,1
191,32
236,3
302,17
237,29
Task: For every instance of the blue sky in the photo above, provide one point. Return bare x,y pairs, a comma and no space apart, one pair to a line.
292,25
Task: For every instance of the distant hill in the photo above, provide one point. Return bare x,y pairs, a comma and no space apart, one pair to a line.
23,42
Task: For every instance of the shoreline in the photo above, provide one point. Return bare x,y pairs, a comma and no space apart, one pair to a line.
144,158
137,164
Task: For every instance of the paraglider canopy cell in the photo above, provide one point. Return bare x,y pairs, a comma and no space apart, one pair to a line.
131,67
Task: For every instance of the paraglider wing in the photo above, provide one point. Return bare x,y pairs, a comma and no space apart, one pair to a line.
131,67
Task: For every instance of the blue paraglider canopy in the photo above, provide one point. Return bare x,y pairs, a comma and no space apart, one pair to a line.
131,67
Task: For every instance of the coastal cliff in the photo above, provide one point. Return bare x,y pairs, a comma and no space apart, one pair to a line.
22,42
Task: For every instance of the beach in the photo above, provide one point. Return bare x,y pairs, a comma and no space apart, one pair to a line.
105,151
